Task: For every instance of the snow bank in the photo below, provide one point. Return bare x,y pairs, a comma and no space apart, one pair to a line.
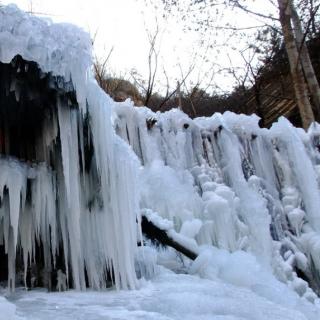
243,270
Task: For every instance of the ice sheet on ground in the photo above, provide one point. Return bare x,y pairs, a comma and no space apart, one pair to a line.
167,297
7,310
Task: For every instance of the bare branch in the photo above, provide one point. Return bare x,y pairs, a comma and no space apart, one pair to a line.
175,90
258,14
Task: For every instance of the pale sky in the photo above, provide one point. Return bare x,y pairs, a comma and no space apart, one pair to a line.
122,24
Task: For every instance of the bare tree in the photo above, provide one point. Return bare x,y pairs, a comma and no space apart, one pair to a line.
177,89
153,55
152,64
304,80
101,70
299,84
309,14
304,57
305,83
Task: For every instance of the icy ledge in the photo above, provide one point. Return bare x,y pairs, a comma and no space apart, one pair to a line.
60,48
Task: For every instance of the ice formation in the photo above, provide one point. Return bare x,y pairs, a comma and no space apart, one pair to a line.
68,189
74,189
226,182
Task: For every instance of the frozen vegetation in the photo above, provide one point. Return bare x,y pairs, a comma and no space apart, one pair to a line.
246,200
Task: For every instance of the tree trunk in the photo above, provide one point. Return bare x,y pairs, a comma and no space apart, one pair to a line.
154,233
305,60
179,96
299,84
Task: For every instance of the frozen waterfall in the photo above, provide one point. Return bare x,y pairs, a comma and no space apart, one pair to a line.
77,170
68,183
225,182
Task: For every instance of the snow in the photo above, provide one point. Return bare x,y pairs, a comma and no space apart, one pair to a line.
217,264
158,221
60,48
168,296
8,310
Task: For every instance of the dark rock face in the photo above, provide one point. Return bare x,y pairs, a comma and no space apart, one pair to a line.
28,110
28,99
3,264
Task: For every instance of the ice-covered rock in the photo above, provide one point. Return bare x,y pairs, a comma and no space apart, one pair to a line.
76,198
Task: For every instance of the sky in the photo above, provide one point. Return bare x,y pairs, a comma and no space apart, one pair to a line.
124,26
115,23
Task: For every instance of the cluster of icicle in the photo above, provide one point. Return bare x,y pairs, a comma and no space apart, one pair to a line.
237,186
222,180
88,216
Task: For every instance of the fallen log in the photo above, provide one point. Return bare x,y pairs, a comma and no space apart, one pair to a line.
163,237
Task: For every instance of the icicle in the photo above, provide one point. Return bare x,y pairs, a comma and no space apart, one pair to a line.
70,159
235,185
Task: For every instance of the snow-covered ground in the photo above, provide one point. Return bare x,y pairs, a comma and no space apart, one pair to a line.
167,296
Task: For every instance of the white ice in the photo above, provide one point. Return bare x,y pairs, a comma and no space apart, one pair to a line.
167,297
91,215
249,195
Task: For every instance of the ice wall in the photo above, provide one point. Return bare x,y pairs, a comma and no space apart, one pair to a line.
77,206
251,189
